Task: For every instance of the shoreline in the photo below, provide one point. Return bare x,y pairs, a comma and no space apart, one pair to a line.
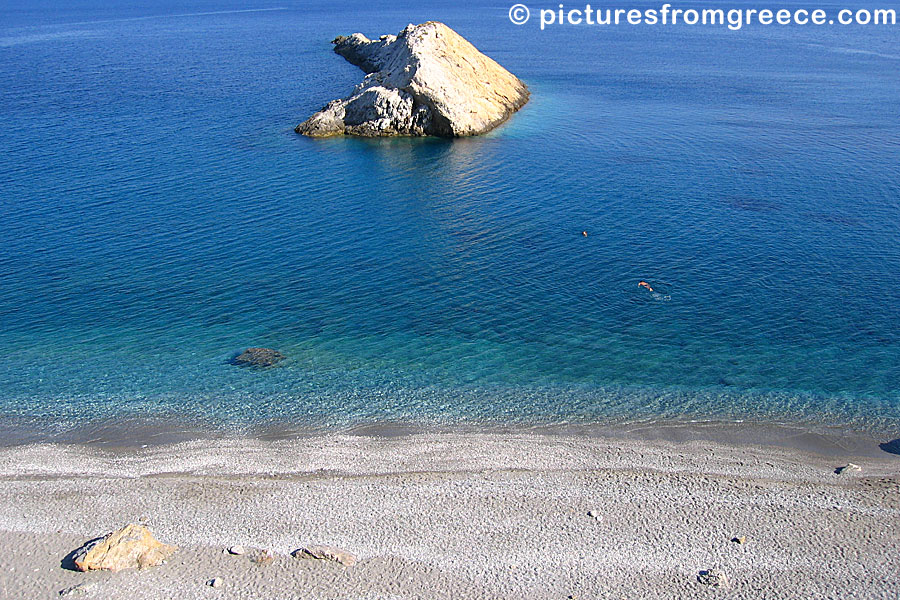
458,515
132,433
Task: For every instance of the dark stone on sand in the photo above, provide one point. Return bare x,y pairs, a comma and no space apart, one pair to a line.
848,468
892,447
257,357
713,578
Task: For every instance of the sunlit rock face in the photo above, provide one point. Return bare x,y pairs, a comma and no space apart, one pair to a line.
427,80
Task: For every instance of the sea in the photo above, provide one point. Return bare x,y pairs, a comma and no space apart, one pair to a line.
158,215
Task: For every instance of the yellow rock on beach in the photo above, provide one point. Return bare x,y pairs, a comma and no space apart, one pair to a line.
132,547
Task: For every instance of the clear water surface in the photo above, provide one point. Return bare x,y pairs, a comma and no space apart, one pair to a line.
159,215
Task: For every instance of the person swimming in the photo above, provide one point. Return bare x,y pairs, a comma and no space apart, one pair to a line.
653,293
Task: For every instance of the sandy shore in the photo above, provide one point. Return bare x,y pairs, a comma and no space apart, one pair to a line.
453,515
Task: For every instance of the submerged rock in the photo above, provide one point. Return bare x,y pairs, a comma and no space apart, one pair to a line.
258,357
427,80
132,547
326,553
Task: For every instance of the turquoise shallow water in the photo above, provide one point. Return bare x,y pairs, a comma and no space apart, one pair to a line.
159,215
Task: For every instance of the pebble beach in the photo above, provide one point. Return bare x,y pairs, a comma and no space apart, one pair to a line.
458,515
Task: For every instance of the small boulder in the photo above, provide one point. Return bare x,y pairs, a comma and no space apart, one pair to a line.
258,357
326,553
848,468
713,578
132,547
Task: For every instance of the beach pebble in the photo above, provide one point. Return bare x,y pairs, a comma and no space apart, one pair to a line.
76,590
215,582
237,550
713,577
848,468
326,553
262,557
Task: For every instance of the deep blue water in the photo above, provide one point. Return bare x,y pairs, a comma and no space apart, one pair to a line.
159,215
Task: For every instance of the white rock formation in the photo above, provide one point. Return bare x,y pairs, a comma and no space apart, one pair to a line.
427,80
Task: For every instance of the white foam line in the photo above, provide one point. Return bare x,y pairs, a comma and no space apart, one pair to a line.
866,52
200,14
841,50
8,41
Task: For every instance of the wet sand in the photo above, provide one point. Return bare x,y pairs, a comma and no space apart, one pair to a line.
466,515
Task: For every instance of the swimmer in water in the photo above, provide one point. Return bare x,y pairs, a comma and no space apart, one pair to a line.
644,284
